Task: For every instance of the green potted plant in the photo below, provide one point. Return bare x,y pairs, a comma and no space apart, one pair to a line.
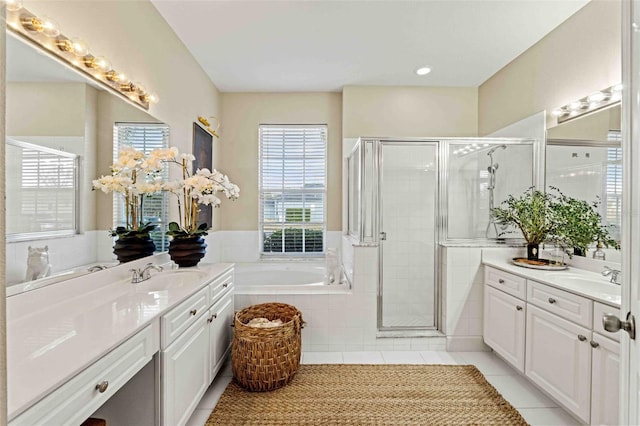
531,214
579,224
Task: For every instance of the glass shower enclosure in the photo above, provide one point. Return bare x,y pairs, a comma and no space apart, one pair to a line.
408,196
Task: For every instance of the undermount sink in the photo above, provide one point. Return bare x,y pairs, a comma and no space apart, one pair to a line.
171,279
579,280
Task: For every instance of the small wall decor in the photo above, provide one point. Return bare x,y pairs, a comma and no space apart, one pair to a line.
203,151
207,125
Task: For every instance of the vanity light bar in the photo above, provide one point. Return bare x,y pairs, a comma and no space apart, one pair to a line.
593,102
45,33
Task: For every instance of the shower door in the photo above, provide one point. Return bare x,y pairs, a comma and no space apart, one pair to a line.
408,188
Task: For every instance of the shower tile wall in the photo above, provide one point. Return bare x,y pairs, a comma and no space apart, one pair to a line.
467,190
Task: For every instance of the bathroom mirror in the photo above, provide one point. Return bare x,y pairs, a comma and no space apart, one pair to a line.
584,160
58,114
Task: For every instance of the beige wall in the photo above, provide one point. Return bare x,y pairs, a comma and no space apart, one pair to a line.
137,40
242,113
110,110
579,57
45,109
409,111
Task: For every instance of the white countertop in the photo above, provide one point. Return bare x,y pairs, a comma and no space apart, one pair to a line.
579,281
55,332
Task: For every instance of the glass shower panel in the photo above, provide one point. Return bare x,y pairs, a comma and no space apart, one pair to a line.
408,196
353,188
481,174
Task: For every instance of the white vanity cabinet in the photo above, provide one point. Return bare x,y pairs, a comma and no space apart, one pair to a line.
565,350
190,361
78,398
605,368
558,359
503,326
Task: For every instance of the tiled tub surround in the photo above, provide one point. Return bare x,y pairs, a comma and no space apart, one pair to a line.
346,319
55,332
548,325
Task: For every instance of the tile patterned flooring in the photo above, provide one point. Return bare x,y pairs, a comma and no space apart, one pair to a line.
535,407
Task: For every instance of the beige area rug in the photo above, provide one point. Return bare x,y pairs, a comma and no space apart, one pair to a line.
371,395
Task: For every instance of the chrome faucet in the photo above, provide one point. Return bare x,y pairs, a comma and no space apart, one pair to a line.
143,274
614,273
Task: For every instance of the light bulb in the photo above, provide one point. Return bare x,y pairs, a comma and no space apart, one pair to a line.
140,88
153,98
50,27
102,63
13,5
80,48
423,70
64,44
559,112
596,97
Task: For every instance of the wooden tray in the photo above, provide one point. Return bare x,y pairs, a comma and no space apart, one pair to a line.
538,264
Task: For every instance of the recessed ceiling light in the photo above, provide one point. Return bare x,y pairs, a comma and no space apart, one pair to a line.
423,71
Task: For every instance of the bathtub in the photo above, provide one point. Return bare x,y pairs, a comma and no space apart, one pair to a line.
284,278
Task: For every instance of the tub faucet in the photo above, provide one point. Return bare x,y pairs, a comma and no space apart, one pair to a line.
143,274
95,268
614,273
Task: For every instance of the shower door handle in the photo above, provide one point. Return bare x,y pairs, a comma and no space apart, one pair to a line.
383,236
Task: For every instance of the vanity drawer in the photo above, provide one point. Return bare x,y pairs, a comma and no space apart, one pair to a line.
77,399
509,283
220,286
174,323
567,305
599,309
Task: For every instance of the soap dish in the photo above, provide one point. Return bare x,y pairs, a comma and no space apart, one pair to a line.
544,264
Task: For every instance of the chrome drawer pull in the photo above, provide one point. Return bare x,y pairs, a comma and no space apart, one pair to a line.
594,344
210,319
500,281
225,285
193,311
552,300
581,338
519,307
102,386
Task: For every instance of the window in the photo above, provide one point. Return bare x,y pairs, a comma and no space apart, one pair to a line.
144,137
613,186
42,191
293,187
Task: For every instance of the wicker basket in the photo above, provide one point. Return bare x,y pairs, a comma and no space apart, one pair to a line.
264,359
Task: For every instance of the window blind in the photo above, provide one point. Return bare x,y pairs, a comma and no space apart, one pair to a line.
144,137
613,184
293,182
48,190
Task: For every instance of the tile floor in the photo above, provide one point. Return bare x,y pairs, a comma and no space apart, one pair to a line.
535,407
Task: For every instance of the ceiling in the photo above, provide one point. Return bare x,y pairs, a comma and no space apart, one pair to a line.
303,45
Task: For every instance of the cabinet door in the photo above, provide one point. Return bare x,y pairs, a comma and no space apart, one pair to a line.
558,359
604,381
185,367
503,326
220,333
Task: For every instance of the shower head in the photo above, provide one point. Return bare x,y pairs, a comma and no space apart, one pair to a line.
495,148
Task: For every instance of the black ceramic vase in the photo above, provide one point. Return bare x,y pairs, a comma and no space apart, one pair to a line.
187,251
532,251
127,249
